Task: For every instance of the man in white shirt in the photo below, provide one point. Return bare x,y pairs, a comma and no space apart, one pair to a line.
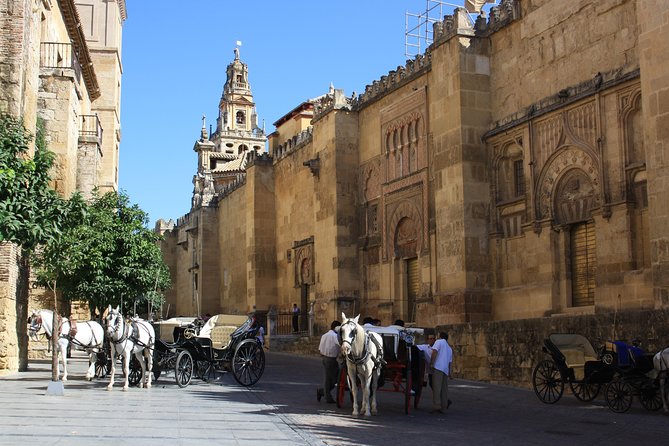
426,349
329,349
442,356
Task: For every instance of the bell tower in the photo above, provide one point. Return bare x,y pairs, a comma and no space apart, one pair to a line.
237,128
223,155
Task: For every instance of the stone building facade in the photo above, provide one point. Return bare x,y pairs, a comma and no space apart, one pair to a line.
515,170
63,71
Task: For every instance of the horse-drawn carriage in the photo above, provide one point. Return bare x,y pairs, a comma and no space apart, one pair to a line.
624,370
226,343
204,349
402,370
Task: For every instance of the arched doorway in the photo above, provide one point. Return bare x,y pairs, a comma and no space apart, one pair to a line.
574,199
406,247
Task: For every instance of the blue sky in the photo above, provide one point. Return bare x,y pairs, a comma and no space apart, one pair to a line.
174,61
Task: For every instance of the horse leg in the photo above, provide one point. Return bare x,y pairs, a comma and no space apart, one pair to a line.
373,390
149,364
354,388
113,369
62,344
126,368
92,356
365,409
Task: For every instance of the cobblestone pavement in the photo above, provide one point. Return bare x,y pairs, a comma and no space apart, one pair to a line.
282,410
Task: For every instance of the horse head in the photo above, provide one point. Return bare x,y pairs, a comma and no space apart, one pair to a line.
38,323
113,321
349,334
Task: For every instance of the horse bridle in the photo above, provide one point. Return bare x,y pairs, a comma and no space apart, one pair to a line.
353,334
365,348
117,327
36,326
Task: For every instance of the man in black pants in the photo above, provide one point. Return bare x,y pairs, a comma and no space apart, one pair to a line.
329,349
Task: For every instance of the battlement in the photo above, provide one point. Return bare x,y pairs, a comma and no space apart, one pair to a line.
229,188
334,100
296,142
393,80
260,159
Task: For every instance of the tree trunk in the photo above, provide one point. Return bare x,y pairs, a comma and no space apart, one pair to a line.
55,335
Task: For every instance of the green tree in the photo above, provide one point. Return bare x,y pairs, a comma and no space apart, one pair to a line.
31,213
110,258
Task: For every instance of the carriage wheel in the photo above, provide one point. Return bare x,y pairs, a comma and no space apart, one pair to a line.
585,391
248,363
651,396
135,372
547,381
102,364
619,396
204,369
407,392
183,370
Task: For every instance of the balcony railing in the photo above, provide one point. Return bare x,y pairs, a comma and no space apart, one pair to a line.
90,127
60,55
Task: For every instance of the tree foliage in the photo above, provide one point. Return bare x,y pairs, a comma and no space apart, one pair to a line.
31,212
111,257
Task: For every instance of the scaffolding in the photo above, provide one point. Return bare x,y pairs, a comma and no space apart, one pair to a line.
418,33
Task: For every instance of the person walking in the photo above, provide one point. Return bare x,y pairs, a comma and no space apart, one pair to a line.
329,349
296,318
442,356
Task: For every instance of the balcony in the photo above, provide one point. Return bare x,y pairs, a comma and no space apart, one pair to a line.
60,56
90,127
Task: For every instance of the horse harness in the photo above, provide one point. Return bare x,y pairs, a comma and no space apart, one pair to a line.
378,362
70,336
131,332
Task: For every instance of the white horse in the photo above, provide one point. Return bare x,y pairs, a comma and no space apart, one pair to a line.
364,357
661,366
84,335
127,338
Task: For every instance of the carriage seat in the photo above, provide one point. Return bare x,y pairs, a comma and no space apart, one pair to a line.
220,335
576,360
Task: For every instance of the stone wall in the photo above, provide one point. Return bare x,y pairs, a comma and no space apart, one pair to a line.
13,309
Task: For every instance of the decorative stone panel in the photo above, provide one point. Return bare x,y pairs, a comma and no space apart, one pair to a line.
304,262
567,159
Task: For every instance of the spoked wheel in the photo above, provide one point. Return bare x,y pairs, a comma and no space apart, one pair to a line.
135,373
204,370
547,381
342,385
651,396
585,391
619,396
183,370
102,364
248,363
